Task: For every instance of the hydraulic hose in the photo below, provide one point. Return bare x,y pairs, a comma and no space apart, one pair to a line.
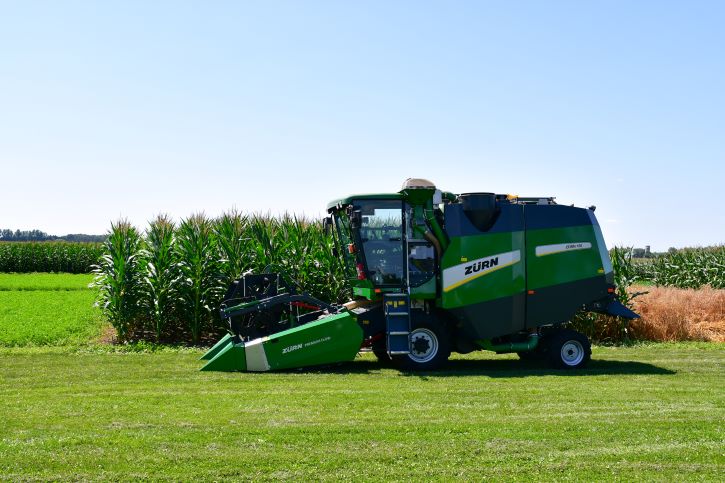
419,211
429,215
434,241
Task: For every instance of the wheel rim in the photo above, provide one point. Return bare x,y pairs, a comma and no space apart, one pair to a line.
423,345
572,352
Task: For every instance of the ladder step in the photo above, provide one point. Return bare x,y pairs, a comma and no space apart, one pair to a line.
399,344
397,323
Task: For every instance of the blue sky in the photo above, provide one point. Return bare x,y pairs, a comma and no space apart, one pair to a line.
112,109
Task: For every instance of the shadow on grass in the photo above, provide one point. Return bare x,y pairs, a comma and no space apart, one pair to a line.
503,368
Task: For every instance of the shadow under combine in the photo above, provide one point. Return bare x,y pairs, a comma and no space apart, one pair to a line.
501,368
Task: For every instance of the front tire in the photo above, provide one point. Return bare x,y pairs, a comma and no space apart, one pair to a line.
568,349
430,347
381,352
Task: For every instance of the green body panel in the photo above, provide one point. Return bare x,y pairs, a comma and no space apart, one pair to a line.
336,338
366,292
604,254
223,342
424,291
417,196
560,267
505,279
231,357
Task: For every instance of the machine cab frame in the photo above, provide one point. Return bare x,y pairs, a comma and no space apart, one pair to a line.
378,242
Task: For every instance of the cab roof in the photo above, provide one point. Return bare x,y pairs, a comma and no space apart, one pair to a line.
370,196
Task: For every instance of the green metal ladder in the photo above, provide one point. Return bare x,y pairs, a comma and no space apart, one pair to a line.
397,323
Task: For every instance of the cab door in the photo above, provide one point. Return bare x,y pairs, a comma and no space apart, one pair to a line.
381,236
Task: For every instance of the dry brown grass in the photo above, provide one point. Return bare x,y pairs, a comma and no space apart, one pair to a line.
670,314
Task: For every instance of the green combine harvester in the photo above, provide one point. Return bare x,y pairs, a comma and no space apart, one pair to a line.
431,272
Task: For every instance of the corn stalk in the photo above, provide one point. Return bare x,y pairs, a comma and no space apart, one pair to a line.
159,292
118,277
200,282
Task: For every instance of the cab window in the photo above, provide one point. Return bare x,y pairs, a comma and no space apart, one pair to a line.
381,234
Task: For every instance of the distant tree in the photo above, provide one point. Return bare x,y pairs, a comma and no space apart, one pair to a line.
7,234
81,237
24,235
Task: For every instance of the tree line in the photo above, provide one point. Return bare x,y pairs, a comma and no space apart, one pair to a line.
7,234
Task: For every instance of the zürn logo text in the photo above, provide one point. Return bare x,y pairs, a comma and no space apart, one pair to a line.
482,265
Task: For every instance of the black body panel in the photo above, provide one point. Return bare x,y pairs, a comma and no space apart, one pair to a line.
509,219
492,318
559,303
371,320
555,216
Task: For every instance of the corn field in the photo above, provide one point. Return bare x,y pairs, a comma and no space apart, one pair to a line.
68,257
167,282
686,268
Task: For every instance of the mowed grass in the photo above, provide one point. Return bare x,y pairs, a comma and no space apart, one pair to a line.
93,412
650,412
46,308
44,281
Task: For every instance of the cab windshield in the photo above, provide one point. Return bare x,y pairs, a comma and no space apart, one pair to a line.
381,235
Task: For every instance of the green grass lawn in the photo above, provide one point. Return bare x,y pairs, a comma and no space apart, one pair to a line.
650,412
44,281
71,409
47,308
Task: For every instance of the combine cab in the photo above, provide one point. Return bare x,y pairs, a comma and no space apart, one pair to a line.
431,273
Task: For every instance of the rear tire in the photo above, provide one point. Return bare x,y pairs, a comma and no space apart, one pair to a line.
430,348
568,349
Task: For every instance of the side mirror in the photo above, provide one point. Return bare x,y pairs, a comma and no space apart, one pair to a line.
327,224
